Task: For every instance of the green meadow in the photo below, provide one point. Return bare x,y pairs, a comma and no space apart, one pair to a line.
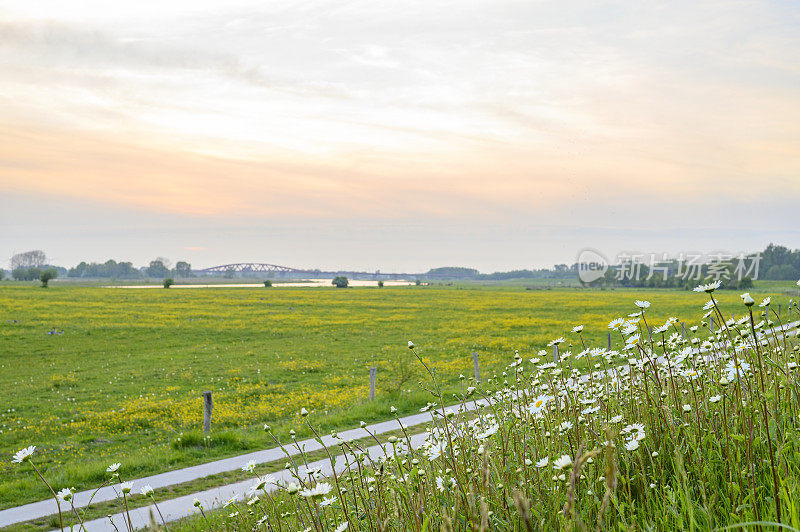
94,375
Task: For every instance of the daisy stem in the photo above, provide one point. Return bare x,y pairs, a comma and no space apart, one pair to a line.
60,519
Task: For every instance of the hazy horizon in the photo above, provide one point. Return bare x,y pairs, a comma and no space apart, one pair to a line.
356,135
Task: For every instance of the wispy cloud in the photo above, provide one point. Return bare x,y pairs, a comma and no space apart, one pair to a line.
445,110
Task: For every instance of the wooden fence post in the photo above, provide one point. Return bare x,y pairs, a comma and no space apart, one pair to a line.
208,406
373,373
477,369
609,341
555,353
683,329
711,325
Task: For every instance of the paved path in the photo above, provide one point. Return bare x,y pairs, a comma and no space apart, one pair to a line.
215,497
179,476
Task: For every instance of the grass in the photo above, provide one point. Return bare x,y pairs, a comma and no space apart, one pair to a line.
123,381
689,441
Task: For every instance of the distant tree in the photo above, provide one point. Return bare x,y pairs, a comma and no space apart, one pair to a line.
782,272
26,274
779,262
28,259
267,283
380,284
157,269
417,282
455,272
340,281
168,282
47,275
2,274
110,268
183,269
516,274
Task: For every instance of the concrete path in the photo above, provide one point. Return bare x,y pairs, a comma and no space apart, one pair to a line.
179,476
216,497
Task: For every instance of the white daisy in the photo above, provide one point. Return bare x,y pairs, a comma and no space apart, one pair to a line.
23,455
708,288
616,323
229,502
321,489
538,404
327,501
563,462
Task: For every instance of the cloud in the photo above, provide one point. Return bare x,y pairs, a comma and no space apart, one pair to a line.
523,111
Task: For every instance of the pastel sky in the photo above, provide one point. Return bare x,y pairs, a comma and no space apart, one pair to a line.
396,135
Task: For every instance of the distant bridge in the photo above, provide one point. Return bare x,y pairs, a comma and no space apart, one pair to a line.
248,267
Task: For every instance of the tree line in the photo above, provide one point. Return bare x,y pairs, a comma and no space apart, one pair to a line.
157,269
30,265
776,263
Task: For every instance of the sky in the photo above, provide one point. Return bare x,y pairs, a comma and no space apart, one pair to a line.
397,136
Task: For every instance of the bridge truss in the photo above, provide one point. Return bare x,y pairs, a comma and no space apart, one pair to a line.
250,267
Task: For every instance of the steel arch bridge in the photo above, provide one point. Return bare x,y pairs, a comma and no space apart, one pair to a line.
248,267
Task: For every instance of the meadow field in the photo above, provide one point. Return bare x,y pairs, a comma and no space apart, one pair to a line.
93,375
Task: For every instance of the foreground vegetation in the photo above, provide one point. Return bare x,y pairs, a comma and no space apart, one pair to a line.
669,431
103,375
673,432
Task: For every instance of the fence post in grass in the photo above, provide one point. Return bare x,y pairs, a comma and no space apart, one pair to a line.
609,341
683,329
208,406
711,325
555,353
373,373
477,369
779,312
